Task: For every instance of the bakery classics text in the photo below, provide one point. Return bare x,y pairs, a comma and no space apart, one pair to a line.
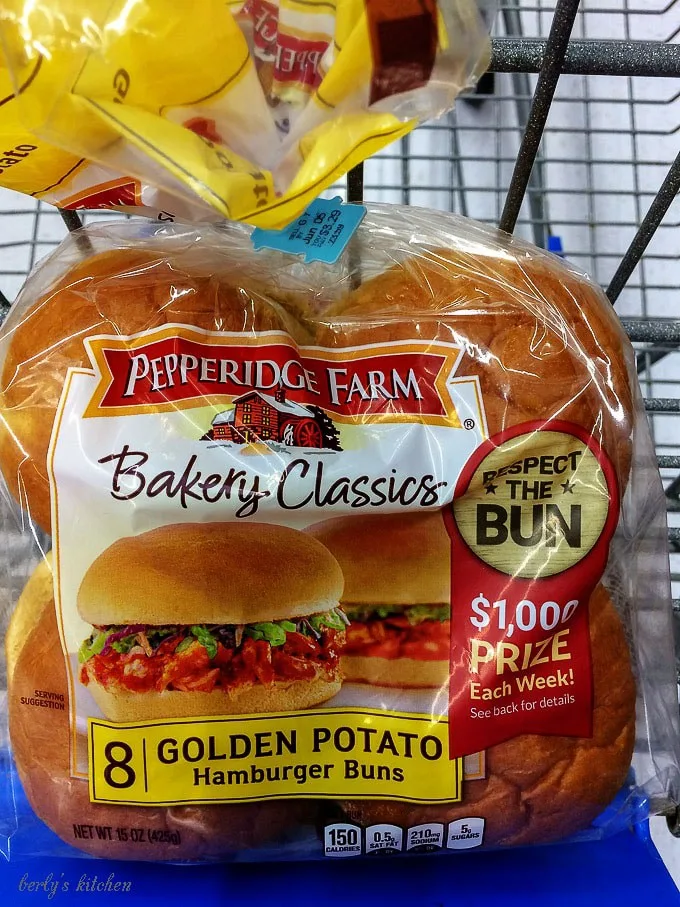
300,485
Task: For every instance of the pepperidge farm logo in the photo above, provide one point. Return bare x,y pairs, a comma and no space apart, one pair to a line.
178,367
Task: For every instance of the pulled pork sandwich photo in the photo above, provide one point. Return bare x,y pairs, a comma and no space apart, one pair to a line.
41,742
173,638
397,596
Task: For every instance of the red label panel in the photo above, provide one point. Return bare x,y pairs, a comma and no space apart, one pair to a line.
176,369
298,59
534,511
125,192
265,19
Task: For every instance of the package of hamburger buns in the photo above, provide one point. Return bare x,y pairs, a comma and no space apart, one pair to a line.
318,560
262,104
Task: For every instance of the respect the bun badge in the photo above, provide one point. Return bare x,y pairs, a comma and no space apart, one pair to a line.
533,515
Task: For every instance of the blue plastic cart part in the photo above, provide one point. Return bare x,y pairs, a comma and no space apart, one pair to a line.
622,870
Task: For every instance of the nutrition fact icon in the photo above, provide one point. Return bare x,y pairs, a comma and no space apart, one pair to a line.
384,839
342,840
425,837
465,834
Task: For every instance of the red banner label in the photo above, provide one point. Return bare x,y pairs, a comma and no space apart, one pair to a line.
380,381
265,19
298,59
533,515
124,192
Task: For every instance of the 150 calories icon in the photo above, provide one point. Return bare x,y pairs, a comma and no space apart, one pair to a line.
342,840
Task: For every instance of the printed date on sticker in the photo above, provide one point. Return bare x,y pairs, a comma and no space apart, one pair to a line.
320,234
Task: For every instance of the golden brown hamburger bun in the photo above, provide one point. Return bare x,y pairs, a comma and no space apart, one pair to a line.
395,672
116,292
280,696
541,338
393,559
396,559
38,588
40,743
176,575
537,788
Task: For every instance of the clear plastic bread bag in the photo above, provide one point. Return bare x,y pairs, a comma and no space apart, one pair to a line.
244,110
307,560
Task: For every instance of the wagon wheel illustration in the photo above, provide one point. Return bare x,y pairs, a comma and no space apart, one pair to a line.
307,433
331,436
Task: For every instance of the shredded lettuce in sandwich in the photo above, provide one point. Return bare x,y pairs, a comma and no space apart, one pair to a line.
92,646
414,614
123,639
206,639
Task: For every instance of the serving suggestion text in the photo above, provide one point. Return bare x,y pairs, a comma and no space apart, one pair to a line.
300,484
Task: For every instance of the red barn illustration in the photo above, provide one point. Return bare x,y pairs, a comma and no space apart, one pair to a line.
257,416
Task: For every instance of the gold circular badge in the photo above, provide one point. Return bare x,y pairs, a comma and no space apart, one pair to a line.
536,505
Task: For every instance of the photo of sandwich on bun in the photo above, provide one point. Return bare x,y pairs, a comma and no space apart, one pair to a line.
211,619
41,748
397,570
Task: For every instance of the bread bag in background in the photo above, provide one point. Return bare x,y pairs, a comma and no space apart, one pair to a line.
343,559
287,98
43,171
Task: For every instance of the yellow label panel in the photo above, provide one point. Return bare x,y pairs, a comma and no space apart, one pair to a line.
344,753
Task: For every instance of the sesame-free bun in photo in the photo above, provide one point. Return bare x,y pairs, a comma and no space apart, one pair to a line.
211,619
397,570
41,749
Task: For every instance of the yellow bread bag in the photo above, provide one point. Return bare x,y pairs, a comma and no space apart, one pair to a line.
240,110
39,169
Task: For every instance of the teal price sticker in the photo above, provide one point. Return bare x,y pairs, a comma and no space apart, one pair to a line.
320,234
